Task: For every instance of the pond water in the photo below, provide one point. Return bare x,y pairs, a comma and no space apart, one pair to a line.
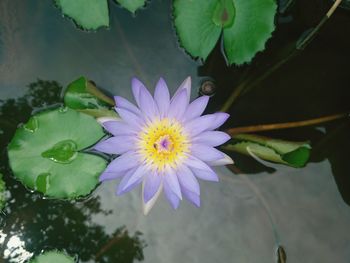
244,217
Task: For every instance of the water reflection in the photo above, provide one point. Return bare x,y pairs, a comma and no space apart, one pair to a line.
232,225
31,224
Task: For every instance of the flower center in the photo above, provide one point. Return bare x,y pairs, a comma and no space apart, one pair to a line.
163,143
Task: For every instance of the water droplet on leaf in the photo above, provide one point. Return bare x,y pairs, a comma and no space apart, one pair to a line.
62,152
31,125
63,109
42,182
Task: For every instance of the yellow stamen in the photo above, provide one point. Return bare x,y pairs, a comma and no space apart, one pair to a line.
163,143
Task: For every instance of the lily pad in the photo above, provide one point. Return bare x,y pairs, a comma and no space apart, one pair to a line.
131,5
89,14
246,26
2,193
295,154
82,95
53,256
45,153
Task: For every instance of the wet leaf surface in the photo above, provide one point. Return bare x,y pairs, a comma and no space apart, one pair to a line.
246,26
295,154
45,153
195,27
82,95
131,5
53,257
88,14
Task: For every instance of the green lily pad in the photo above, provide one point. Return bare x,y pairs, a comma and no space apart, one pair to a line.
45,153
82,95
224,13
2,193
131,5
195,27
246,26
89,14
295,154
53,256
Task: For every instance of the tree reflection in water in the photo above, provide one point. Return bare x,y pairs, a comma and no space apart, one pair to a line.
31,224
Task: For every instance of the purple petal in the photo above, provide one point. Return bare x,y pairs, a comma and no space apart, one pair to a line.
207,175
129,181
119,166
136,85
171,179
200,124
200,169
147,104
212,138
178,105
206,122
117,128
102,120
151,186
116,145
125,104
169,194
186,84
220,118
206,153
130,118
192,197
124,181
196,108
187,180
107,176
224,161
147,206
162,97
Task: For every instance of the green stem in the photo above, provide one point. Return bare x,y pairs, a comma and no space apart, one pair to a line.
305,41
286,125
299,46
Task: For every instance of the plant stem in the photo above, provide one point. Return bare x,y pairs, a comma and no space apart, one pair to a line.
333,7
305,41
286,125
299,46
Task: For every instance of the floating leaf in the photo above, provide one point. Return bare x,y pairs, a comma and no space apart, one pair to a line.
253,25
294,154
195,27
84,96
45,153
53,256
131,5
224,13
2,193
246,26
89,14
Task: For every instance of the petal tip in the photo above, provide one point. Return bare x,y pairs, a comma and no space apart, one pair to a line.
226,115
135,79
102,120
161,79
102,178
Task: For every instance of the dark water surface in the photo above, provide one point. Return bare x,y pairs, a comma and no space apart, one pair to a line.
246,216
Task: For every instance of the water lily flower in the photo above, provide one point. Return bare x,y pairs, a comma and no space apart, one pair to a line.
163,143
